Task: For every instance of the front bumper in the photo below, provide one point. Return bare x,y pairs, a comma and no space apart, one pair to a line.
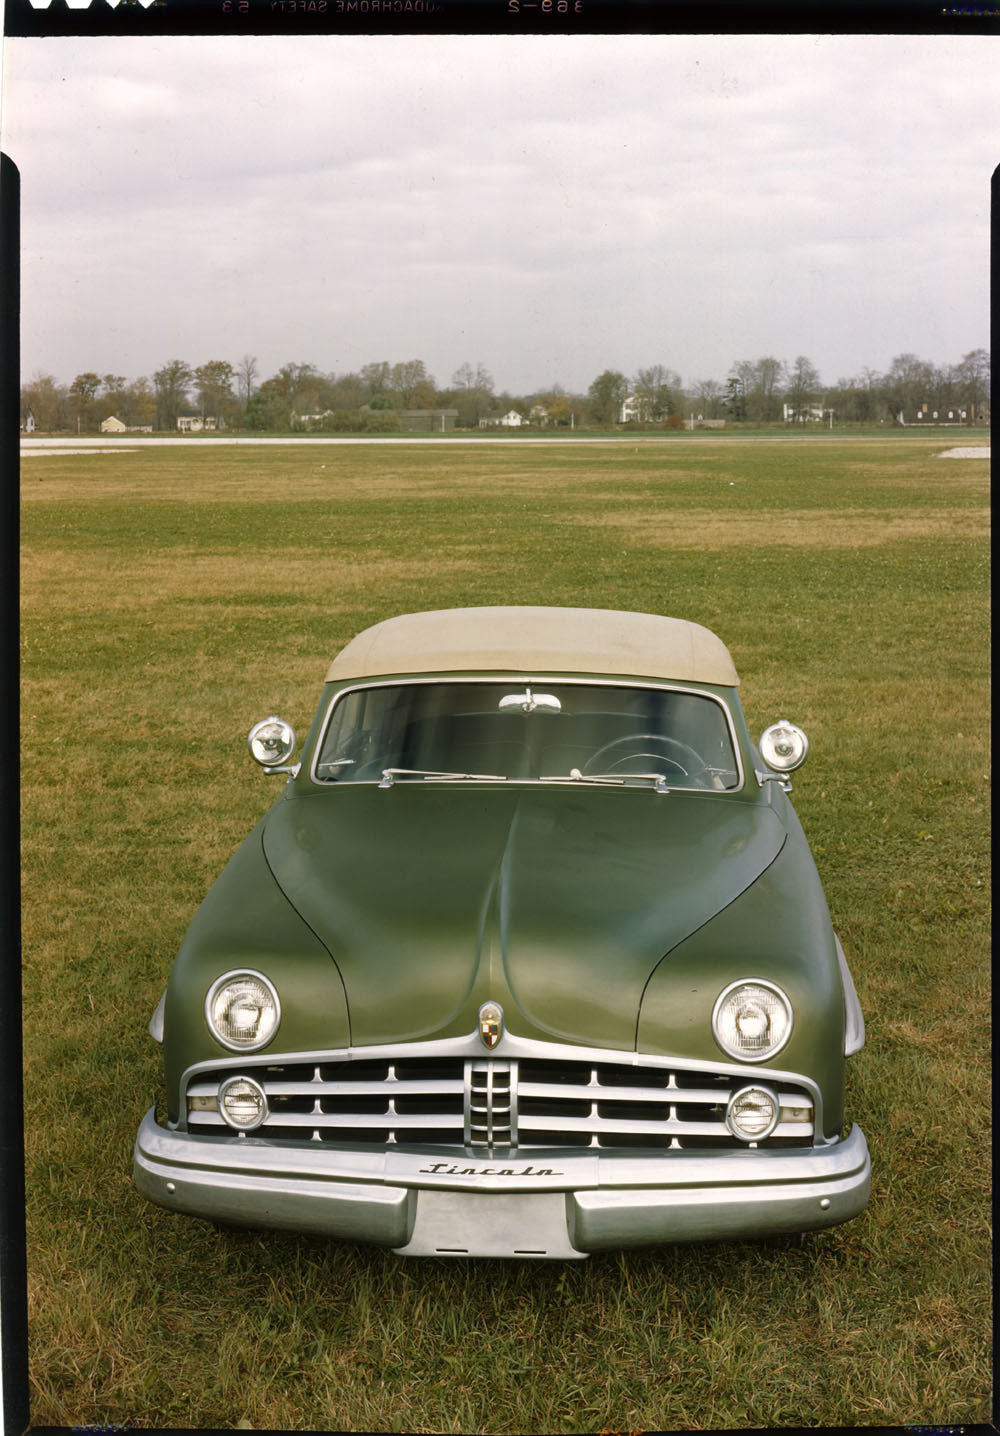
550,1204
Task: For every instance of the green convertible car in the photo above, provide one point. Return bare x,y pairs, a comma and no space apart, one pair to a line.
529,959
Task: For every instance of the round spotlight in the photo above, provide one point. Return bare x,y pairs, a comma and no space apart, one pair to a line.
784,747
752,1114
243,1103
271,742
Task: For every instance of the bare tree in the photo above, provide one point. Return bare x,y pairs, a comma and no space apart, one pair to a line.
47,403
708,395
973,375
657,392
246,374
803,388
474,393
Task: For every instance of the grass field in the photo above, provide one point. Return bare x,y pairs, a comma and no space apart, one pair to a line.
172,597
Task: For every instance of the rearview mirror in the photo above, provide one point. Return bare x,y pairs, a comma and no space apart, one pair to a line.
528,702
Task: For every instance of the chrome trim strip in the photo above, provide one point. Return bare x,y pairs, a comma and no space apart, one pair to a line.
854,1018
552,678
156,1021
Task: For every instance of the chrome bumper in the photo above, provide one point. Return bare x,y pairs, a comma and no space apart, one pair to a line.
552,1205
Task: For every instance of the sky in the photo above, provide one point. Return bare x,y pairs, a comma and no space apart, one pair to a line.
546,206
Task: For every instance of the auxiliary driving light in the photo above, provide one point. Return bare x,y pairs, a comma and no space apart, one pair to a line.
243,1103
271,742
752,1114
784,747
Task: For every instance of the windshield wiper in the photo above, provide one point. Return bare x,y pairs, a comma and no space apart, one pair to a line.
613,780
389,776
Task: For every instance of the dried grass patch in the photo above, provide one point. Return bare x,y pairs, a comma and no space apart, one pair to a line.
799,528
55,579
334,477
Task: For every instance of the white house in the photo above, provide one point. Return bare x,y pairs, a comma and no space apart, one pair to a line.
630,409
113,425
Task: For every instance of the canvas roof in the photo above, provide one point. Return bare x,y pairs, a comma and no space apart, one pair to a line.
537,641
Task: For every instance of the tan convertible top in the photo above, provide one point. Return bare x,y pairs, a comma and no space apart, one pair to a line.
537,641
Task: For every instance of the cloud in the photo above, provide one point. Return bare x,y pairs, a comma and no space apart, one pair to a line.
549,205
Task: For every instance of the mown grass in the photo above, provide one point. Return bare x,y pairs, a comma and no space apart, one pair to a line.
170,598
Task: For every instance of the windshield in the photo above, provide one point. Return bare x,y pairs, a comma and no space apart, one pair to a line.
528,732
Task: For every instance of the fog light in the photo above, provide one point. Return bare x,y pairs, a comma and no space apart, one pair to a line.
243,1103
752,1114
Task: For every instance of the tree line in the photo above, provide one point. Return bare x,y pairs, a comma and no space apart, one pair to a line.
301,397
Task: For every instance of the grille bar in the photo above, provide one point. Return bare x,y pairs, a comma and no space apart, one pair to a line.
490,1106
486,1103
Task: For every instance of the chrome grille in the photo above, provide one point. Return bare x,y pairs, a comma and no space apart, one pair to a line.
491,1119
487,1103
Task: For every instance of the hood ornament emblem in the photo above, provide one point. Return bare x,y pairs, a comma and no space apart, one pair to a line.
490,1023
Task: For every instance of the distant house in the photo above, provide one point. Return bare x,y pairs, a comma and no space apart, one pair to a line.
948,414
113,425
511,420
810,414
539,414
630,409
191,422
438,420
28,423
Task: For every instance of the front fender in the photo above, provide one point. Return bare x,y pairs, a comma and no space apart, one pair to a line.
779,929
247,922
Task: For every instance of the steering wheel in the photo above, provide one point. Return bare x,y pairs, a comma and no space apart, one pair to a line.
660,739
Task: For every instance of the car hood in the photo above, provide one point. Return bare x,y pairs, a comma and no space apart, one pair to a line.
556,902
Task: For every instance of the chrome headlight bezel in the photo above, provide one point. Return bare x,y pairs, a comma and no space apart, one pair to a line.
231,979
759,1054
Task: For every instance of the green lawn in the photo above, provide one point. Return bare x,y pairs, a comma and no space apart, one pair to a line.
172,596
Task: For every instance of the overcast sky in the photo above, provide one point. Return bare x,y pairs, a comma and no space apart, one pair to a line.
547,206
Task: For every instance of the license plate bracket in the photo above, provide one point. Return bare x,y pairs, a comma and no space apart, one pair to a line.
526,1225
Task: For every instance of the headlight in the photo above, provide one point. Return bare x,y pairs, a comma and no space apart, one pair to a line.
752,1020
242,1011
752,1114
242,1102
